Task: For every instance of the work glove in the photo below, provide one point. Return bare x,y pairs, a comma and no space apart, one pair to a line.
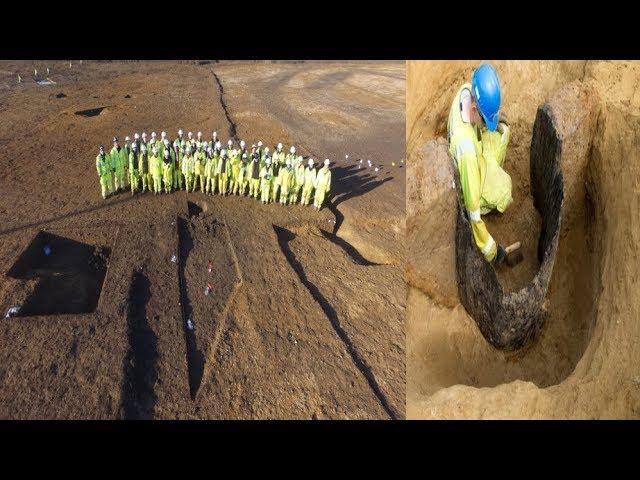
501,254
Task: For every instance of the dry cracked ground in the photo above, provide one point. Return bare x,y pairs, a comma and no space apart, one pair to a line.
306,314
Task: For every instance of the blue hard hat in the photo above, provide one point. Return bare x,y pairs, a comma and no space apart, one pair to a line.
485,88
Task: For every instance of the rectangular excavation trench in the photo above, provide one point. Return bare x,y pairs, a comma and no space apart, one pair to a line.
69,275
204,261
195,357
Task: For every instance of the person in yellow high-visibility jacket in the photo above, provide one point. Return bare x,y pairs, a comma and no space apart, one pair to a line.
207,170
119,160
286,180
187,168
298,169
266,179
200,160
223,169
155,166
143,168
253,174
103,166
178,155
478,142
234,164
322,185
167,169
215,160
309,182
133,167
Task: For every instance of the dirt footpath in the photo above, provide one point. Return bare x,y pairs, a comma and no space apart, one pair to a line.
305,318
584,363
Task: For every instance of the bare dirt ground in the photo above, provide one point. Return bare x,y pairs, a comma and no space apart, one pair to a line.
585,363
306,318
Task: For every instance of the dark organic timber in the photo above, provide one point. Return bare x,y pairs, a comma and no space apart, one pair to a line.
509,321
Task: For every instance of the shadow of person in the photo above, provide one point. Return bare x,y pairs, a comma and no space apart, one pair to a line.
351,181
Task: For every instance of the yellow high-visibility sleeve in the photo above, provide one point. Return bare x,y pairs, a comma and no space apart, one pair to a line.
471,192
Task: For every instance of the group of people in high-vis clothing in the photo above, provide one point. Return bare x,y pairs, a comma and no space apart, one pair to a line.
194,164
478,140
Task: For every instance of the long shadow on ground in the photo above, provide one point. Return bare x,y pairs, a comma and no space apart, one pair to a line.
140,369
195,358
284,237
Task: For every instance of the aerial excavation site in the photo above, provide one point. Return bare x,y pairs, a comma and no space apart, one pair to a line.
202,240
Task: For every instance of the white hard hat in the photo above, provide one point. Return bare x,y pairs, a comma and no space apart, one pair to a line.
266,150
259,143
292,149
223,152
166,141
136,136
143,147
199,134
279,146
326,162
310,162
126,139
215,134
230,142
180,132
153,134
144,134
242,144
163,134
190,134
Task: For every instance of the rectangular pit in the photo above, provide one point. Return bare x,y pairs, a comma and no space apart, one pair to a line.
69,278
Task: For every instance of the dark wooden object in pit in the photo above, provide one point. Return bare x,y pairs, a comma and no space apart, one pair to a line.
509,320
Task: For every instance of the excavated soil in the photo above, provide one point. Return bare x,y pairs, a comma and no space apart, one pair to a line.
305,316
583,363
